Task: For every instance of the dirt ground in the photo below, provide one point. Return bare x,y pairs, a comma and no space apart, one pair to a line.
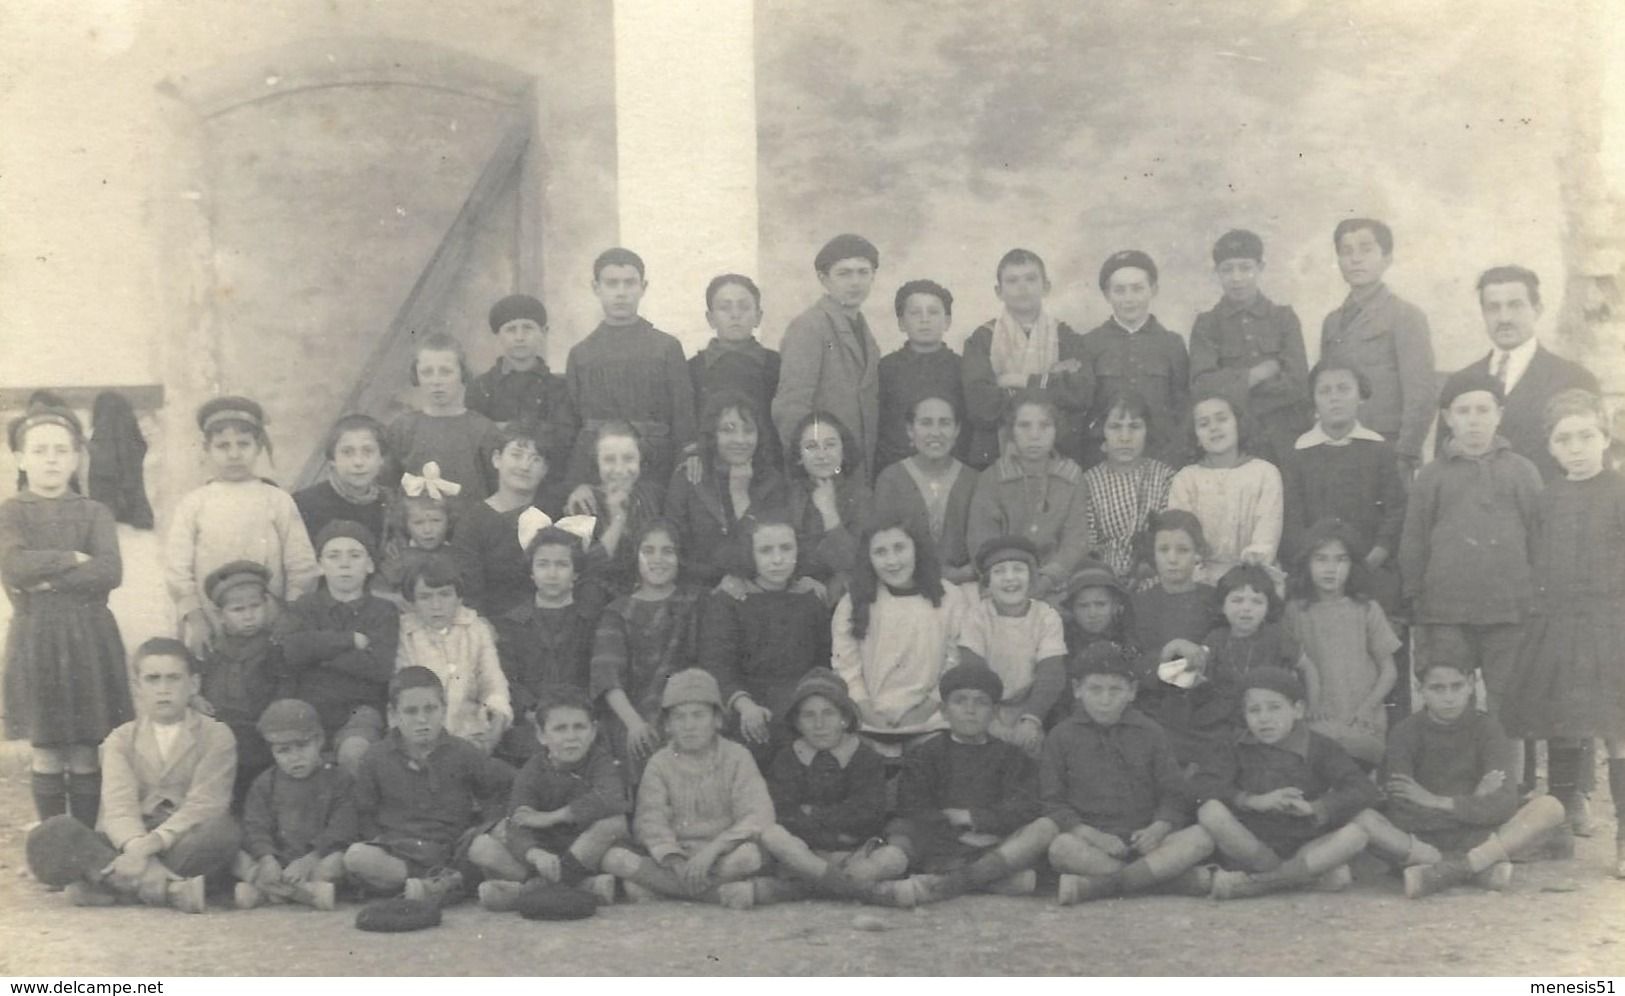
1562,918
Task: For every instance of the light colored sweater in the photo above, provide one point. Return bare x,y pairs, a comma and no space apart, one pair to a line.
237,520
686,801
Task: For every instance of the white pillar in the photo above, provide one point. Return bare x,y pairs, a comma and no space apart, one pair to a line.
685,121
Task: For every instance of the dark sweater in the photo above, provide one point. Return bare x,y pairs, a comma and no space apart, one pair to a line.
430,803
324,667
907,376
986,400
845,800
993,779
540,647
1464,555
1450,759
762,645
635,373
494,568
320,504
1358,483
1331,782
593,788
1117,779
1153,362
288,818
240,676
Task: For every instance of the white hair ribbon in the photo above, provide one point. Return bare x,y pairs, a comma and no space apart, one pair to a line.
430,484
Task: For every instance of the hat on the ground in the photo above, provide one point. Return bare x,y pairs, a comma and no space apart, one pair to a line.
823,681
289,721
1092,574
397,916
1275,679
517,306
1102,657
234,575
1128,257
971,675
1001,548
1238,244
691,685
62,850
348,529
543,900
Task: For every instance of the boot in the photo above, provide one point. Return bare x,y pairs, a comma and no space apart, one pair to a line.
837,884
1581,823
600,887
441,888
1336,880
737,895
186,895
1022,883
1496,878
1425,880
1241,885
897,893
1075,889
246,896
499,896
323,896
937,888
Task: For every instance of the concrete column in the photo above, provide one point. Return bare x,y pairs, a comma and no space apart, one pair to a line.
685,95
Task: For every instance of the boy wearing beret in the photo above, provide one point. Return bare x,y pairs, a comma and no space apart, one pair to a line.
242,667
1280,802
1250,349
965,802
299,817
1452,814
339,642
1384,337
829,358
1116,807
519,387
1131,352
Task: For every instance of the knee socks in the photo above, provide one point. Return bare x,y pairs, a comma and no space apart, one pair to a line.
1562,771
50,793
85,796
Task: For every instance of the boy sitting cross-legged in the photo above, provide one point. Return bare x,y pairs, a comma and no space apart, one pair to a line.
1452,813
567,810
1115,802
298,818
420,792
966,802
166,788
1280,802
701,805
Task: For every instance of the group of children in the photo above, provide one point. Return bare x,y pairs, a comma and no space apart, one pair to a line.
748,627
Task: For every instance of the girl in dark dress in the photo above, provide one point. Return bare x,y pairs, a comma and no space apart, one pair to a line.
65,682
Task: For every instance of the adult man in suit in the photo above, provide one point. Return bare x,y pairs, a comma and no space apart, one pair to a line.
1509,297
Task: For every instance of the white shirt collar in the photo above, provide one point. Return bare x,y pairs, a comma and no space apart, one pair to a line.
1518,360
1317,437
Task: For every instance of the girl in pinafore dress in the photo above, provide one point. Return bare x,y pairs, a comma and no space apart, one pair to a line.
644,638
1570,682
65,682
1125,491
1237,496
1346,637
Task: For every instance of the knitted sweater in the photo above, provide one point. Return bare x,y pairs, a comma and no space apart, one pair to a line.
830,799
593,788
762,644
1450,759
1116,779
992,779
714,795
237,520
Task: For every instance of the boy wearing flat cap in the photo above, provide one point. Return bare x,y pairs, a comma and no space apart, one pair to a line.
299,818
1250,349
963,798
242,667
520,387
829,358
1281,801
1131,353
